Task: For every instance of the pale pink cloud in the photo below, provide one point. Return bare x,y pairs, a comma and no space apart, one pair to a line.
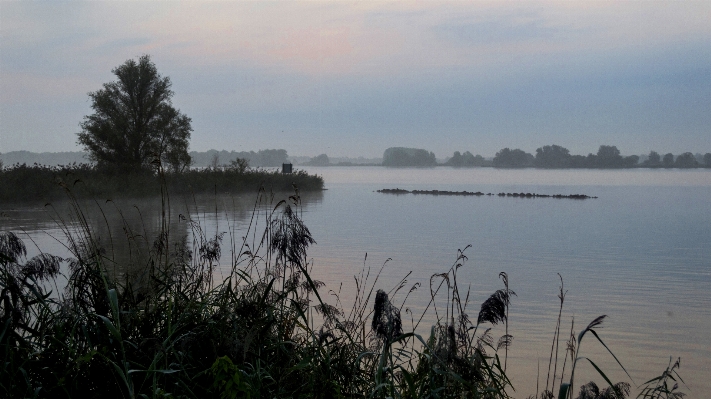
360,38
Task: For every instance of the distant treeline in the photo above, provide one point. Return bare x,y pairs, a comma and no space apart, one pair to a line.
548,157
607,157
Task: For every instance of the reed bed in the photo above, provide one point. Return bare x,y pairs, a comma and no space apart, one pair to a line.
38,183
264,330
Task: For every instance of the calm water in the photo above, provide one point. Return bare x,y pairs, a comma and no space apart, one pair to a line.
640,253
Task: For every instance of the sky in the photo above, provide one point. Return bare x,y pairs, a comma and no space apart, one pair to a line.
354,78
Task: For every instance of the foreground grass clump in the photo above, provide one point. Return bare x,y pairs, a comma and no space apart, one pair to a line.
39,183
174,329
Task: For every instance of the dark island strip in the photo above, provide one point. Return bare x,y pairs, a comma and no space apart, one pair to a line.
479,193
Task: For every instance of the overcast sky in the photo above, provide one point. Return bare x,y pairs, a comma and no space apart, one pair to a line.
350,79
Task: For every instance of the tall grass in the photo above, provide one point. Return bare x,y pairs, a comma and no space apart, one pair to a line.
262,329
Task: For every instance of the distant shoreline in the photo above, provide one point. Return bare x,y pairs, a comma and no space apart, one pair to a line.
263,159
501,167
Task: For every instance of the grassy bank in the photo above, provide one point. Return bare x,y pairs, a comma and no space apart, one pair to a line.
37,183
267,329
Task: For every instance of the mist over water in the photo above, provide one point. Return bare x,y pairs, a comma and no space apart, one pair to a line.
639,253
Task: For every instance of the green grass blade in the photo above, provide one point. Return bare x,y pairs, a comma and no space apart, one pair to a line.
613,355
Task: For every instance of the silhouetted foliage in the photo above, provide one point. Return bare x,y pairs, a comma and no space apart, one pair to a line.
465,160
552,156
401,156
39,183
239,165
578,161
319,160
666,385
507,158
592,391
686,160
630,161
608,156
387,323
668,160
134,121
653,159
456,159
707,159
493,310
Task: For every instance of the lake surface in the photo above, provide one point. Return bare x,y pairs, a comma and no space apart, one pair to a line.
639,253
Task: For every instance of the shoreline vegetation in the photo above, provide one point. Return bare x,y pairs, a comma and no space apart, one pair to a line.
38,183
173,329
399,191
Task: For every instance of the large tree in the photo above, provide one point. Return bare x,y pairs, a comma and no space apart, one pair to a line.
668,160
686,160
134,122
654,159
552,156
608,156
508,158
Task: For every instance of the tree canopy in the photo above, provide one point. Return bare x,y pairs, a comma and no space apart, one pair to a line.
686,160
320,160
653,159
134,122
668,160
508,158
552,156
401,156
465,160
608,156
